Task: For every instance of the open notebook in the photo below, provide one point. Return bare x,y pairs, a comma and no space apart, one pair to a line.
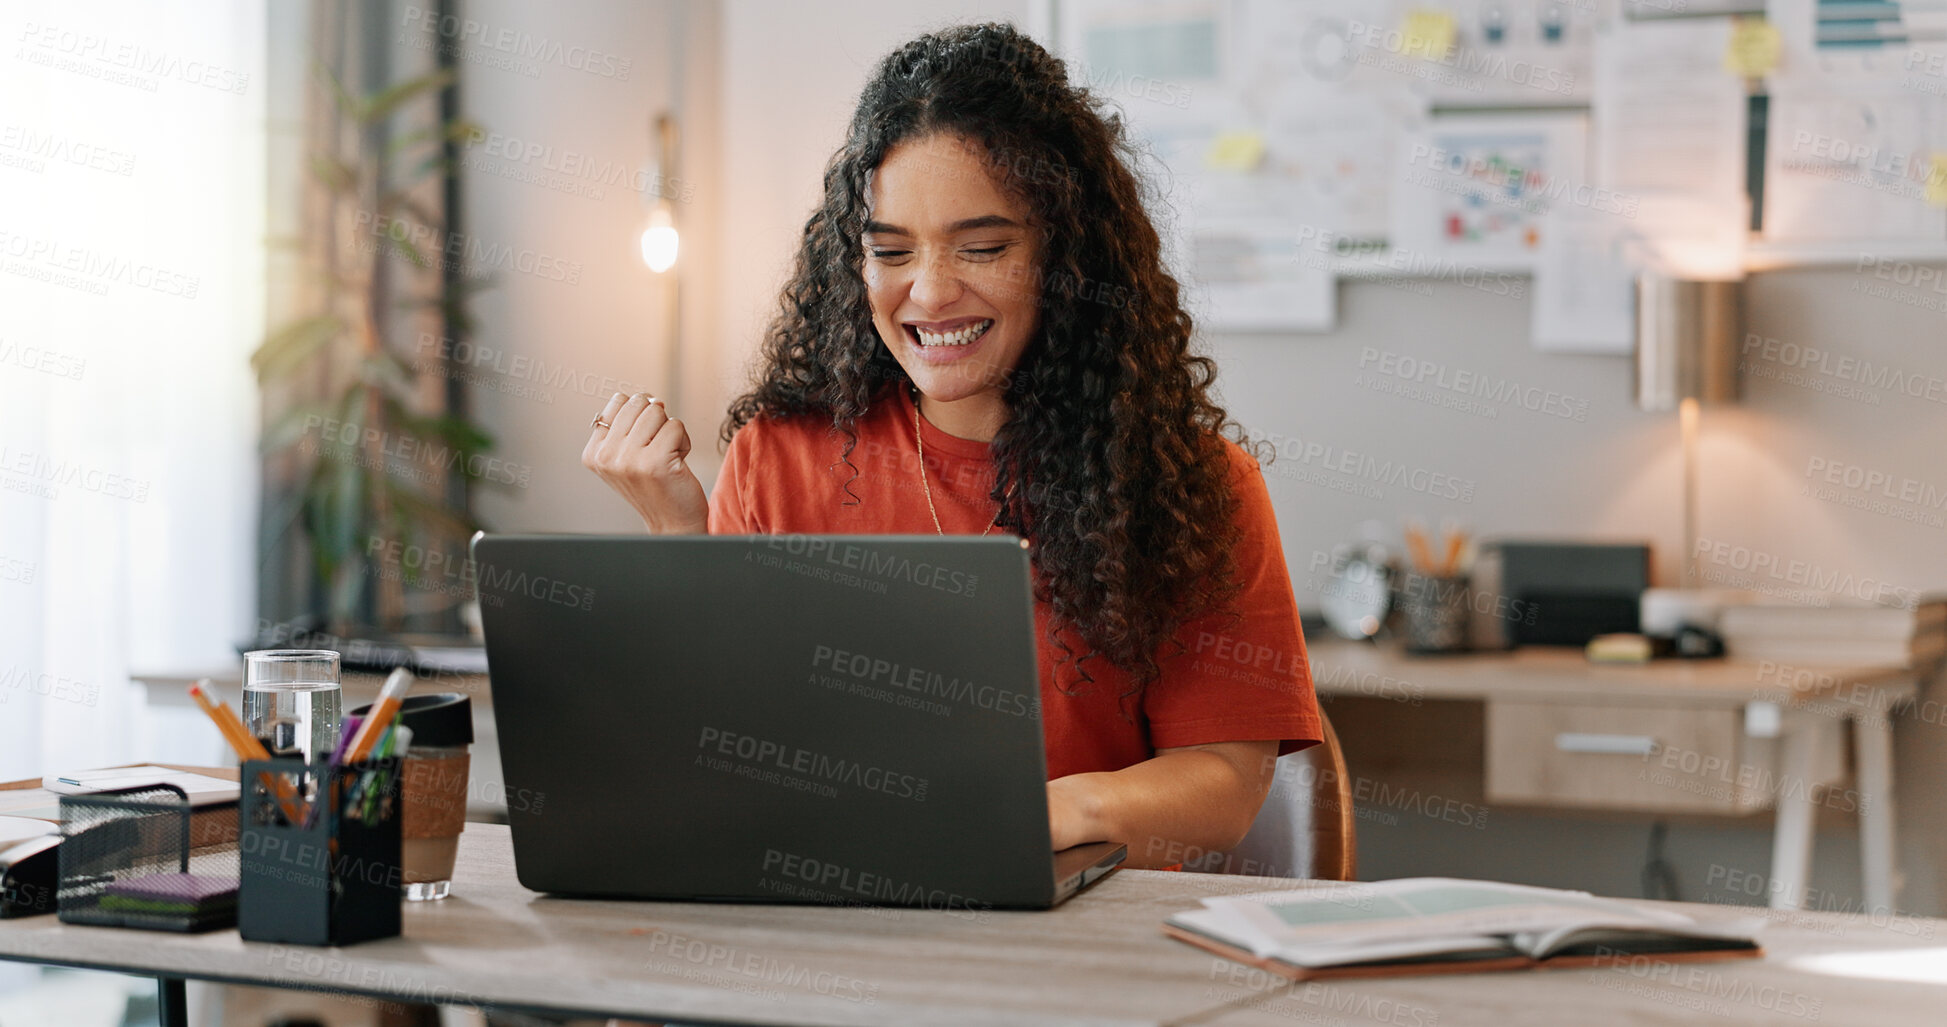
1422,925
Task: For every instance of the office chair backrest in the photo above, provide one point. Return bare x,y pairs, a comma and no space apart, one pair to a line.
1306,826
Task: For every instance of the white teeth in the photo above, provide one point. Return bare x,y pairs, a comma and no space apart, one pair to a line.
957,337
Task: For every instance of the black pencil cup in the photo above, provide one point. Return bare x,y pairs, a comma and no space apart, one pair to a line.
329,878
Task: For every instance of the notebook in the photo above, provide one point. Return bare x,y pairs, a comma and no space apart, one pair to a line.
1428,925
202,789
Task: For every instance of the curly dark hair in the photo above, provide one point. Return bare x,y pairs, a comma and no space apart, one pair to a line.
1112,433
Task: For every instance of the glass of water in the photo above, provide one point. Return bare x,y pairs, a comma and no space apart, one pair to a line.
291,699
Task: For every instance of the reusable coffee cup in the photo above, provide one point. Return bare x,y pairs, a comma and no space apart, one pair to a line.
433,810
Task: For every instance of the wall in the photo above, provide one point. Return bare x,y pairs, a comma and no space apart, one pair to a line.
566,93
1582,461
1607,469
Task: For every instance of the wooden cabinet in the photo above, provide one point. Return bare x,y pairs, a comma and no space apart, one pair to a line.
1622,757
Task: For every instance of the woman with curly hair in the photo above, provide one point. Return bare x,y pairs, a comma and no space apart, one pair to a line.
979,335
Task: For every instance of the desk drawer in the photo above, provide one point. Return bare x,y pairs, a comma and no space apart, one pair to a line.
1618,757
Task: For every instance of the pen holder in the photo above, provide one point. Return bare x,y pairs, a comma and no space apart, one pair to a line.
1434,613
129,859
327,872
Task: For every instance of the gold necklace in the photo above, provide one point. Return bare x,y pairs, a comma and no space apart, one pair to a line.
919,439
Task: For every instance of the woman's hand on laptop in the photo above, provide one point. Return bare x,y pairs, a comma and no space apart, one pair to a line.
641,454
1070,822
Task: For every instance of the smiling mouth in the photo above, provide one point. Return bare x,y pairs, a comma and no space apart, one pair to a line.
961,336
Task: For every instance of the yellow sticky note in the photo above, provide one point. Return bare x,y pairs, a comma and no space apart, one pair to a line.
1937,181
1427,33
1235,151
1755,46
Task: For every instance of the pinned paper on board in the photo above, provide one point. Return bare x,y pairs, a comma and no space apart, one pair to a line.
1754,48
1235,151
1668,117
1246,266
1585,284
1427,33
1478,189
1853,162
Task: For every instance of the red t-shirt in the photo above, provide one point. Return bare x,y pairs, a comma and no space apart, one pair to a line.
1238,680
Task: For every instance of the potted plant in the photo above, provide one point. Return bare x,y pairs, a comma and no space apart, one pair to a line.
366,469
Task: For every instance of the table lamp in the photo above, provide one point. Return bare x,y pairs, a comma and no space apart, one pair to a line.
1687,333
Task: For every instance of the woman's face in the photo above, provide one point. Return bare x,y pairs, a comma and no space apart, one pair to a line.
951,268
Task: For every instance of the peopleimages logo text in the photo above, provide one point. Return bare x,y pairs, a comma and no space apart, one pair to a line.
519,43
870,561
793,759
873,887
925,682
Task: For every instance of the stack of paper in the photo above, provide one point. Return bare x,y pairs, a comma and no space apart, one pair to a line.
1854,635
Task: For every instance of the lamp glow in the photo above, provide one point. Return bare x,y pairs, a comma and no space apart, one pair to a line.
659,240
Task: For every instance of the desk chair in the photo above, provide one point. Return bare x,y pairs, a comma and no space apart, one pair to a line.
1306,826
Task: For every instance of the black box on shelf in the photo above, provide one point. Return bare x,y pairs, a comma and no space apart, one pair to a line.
1573,591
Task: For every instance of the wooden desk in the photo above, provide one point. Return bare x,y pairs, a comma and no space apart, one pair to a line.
1099,960
1703,736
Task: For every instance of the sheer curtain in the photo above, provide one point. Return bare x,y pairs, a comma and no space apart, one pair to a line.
132,227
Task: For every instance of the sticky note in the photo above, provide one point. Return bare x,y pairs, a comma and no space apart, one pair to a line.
1754,49
1427,33
1235,151
1936,188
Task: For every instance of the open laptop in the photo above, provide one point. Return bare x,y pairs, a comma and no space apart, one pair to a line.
774,718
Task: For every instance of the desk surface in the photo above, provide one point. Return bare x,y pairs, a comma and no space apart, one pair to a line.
1564,674
1099,960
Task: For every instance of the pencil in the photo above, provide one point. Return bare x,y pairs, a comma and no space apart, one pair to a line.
247,747
1451,565
380,717
1416,546
234,732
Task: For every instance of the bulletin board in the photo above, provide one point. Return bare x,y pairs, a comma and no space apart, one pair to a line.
1295,142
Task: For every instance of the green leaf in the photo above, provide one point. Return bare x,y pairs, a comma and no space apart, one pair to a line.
289,427
339,97
382,104
282,518
459,130
465,131
407,250
386,369
291,345
433,515
455,433
333,173
399,199
347,494
344,596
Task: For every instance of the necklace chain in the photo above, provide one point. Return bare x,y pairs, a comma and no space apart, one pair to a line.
919,440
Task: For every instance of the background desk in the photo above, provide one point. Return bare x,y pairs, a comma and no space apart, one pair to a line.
1099,960
1672,736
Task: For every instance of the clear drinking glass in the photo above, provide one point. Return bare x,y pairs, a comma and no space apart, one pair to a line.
294,687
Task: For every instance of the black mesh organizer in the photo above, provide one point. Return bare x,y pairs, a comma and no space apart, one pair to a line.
126,861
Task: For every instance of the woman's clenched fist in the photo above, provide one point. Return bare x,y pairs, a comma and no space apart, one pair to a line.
641,452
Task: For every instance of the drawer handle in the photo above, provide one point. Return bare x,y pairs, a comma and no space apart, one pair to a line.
1617,745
